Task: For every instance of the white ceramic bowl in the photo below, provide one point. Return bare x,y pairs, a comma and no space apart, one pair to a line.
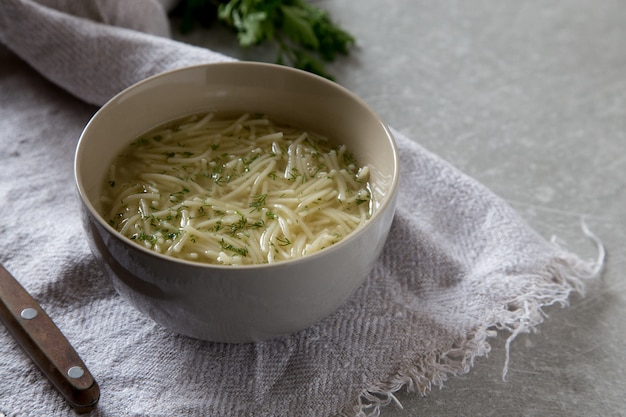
237,303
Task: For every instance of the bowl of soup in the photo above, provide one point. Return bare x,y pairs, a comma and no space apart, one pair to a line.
236,202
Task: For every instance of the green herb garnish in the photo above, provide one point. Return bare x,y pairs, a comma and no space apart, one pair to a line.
258,202
304,34
240,251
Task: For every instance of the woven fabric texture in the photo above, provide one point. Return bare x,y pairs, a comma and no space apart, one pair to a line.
459,265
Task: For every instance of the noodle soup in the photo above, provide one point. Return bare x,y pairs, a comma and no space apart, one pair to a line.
235,191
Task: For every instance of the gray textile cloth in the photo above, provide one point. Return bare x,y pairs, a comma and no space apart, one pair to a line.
459,265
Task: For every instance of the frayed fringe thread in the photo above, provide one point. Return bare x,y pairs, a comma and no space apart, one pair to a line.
569,272
428,371
564,275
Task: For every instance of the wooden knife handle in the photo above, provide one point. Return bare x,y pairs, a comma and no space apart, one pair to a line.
46,345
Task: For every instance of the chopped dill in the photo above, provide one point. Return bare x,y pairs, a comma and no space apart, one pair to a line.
242,251
239,226
144,237
258,224
258,201
349,158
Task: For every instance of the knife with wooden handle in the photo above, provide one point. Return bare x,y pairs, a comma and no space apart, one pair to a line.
46,345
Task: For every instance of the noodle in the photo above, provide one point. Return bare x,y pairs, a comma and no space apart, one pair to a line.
235,191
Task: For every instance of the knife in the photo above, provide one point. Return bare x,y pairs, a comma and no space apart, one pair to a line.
46,345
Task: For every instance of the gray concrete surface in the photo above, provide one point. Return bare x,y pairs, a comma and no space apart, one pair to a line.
529,98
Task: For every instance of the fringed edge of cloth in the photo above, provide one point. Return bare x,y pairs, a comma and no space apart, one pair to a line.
565,274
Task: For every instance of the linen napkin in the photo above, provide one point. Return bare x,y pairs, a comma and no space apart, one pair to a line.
459,265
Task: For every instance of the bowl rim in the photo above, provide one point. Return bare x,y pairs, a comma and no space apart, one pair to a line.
389,198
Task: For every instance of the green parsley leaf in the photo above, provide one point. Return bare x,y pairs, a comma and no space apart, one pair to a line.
304,34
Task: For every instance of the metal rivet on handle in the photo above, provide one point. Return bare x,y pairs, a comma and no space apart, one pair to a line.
28,313
75,372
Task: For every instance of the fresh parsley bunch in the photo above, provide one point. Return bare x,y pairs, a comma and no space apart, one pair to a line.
304,34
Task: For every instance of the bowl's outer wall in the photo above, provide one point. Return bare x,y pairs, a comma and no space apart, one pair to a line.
237,304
